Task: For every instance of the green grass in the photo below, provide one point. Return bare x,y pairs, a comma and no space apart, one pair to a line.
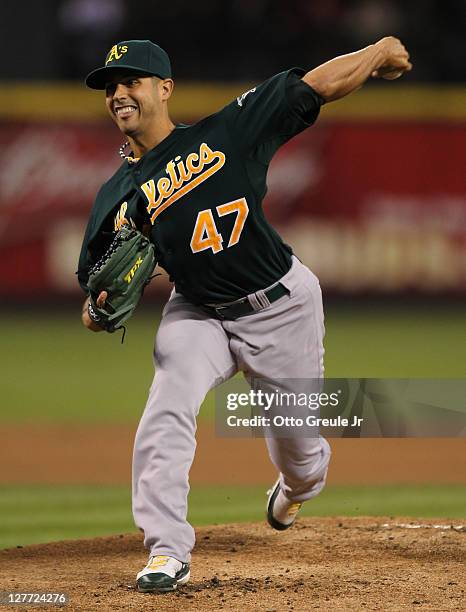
54,370
33,514
395,342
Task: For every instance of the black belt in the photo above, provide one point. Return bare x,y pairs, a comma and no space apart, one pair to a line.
243,307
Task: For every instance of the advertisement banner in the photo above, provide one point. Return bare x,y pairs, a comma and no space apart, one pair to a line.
372,207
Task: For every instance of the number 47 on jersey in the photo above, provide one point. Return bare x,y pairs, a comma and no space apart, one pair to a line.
206,235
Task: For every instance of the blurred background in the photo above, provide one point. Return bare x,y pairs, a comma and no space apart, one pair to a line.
372,198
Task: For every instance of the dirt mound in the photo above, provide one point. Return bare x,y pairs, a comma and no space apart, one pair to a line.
327,564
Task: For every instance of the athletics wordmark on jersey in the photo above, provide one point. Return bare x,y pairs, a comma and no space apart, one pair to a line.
183,177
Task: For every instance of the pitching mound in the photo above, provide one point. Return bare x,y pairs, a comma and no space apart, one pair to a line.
327,564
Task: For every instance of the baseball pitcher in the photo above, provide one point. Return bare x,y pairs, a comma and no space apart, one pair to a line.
189,197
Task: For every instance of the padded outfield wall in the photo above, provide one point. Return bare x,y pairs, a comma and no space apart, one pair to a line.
372,198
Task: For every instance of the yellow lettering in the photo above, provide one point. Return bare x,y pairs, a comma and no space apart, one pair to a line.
113,54
241,208
205,235
205,153
184,174
174,187
165,189
149,191
172,174
129,277
189,186
120,217
192,157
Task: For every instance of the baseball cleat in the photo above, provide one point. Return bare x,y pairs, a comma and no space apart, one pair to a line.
162,575
281,512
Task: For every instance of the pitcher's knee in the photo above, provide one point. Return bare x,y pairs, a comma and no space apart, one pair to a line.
304,476
306,468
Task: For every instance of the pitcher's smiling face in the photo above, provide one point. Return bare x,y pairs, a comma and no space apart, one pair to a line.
134,101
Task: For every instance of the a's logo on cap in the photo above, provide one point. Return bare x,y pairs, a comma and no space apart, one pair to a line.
116,53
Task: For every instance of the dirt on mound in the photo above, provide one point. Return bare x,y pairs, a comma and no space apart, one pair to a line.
327,564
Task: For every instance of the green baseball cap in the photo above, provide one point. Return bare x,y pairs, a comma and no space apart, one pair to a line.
142,56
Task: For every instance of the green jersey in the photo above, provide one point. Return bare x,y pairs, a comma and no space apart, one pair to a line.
200,191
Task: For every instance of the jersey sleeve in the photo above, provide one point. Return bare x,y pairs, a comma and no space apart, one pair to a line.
85,261
266,116
96,240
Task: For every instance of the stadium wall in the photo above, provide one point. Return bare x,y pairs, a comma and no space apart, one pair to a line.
373,198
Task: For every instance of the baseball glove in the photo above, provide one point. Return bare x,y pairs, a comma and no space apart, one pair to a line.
123,272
